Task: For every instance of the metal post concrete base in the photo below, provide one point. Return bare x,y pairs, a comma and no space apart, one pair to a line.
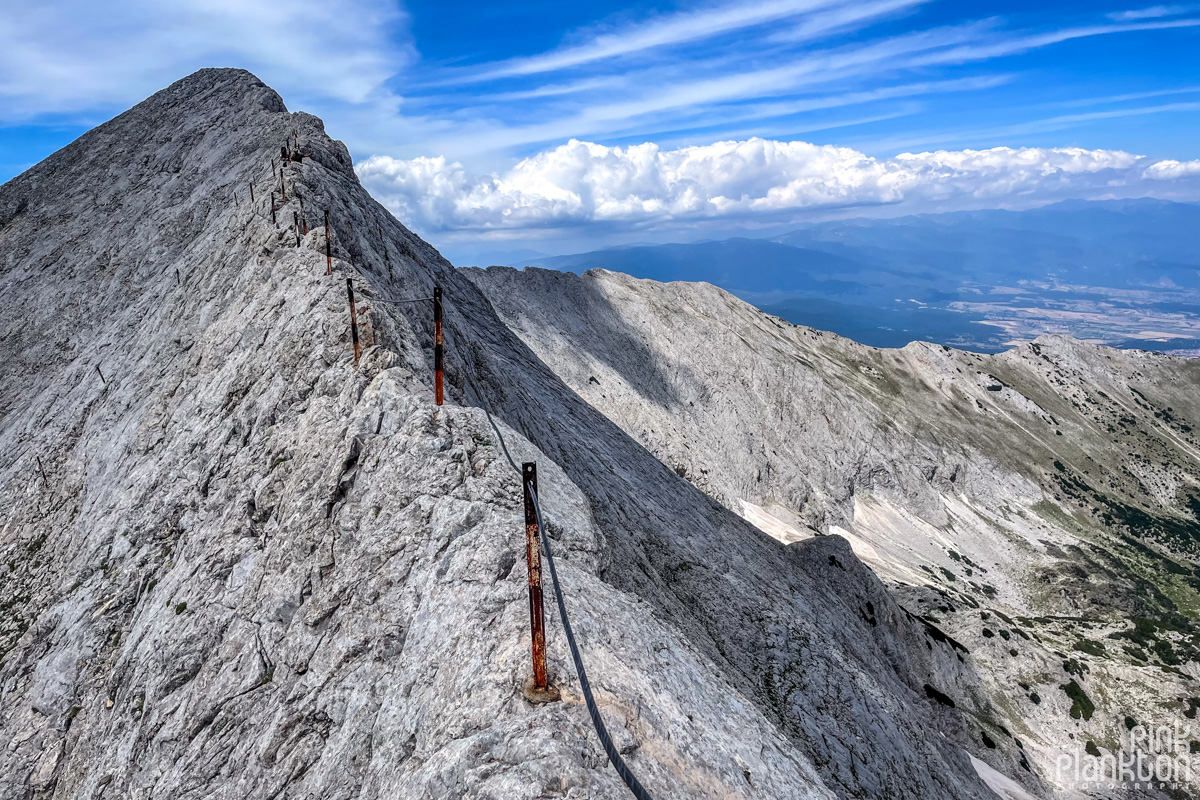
540,696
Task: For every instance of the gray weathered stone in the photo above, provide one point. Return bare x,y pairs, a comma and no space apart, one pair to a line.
955,476
254,571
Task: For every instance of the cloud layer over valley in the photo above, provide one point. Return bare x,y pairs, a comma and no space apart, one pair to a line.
641,185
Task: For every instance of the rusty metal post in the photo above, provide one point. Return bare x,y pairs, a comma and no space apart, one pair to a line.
42,470
273,222
303,219
282,188
439,350
101,374
328,254
296,226
353,320
272,168
533,557
251,191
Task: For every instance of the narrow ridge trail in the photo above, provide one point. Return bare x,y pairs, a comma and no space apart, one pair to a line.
254,570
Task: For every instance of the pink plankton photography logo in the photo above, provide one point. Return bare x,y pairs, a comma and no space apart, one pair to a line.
1159,757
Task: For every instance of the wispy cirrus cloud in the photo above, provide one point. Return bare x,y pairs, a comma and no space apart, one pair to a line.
1154,12
784,112
710,70
72,58
1039,125
648,97
1010,45
655,33
1122,98
842,17
793,64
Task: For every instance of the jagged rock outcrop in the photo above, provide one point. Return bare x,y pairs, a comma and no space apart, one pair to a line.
1042,506
236,566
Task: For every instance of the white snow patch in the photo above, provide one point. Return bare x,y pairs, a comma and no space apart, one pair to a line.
860,547
1004,786
772,525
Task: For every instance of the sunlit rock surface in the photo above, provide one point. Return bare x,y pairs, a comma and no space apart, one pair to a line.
237,566
1040,506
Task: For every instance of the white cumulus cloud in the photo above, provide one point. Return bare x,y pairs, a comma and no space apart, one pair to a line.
1173,170
584,182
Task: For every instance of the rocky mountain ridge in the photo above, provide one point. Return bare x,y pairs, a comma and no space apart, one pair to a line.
237,565
1039,505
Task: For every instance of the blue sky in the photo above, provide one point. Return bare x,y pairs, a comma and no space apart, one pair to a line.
491,128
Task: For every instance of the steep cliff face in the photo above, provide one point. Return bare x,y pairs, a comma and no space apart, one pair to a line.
236,565
1042,505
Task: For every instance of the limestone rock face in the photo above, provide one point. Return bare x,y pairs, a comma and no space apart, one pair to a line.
1041,506
237,566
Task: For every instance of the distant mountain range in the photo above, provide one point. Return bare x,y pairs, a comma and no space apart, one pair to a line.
1123,272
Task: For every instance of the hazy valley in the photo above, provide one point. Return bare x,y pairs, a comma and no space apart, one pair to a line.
1124,273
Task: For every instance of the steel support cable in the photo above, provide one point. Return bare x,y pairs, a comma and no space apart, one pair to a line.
614,756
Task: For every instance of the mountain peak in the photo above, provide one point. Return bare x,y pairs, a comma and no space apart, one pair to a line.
219,85
205,133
